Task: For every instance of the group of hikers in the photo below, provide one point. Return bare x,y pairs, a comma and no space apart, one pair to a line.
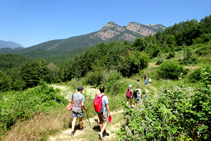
136,94
101,106
145,80
103,112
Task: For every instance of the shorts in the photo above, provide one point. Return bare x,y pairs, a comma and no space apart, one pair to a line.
129,97
149,82
103,117
77,114
137,99
137,80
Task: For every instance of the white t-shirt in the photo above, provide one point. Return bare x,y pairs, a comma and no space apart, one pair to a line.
150,80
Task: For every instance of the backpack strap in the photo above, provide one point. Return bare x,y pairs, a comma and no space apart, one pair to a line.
102,96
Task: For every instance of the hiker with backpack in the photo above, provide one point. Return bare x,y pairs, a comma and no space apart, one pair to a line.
137,94
101,106
138,79
129,95
144,96
77,111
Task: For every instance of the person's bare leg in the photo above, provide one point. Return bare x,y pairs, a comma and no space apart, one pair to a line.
81,122
127,100
73,123
130,102
98,120
103,127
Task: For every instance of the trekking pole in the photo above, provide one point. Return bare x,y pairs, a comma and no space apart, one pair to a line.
88,119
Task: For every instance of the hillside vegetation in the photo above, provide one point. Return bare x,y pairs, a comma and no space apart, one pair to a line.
178,103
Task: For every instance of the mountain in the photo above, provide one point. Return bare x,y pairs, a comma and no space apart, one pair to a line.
145,30
9,44
111,32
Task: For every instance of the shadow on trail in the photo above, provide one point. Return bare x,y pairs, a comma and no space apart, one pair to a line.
96,128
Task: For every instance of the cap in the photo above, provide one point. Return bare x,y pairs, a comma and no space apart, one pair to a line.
80,87
130,85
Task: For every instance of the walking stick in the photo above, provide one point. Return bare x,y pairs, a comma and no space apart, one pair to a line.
88,119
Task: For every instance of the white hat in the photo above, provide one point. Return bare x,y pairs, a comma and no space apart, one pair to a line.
130,85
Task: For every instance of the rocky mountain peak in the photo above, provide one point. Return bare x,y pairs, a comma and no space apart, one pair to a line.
110,30
140,28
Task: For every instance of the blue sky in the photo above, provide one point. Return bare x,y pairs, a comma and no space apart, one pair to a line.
30,22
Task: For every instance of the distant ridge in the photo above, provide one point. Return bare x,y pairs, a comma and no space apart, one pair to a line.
111,32
9,44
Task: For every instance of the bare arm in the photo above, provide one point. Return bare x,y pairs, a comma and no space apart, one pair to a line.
82,105
107,106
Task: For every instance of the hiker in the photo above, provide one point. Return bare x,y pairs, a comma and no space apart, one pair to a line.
129,95
145,77
137,94
77,111
150,81
145,80
144,96
138,79
103,114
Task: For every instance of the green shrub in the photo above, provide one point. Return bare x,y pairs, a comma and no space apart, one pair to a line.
190,60
203,50
94,77
160,61
24,104
195,76
171,55
171,70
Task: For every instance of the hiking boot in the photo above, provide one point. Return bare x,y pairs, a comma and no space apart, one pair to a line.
82,128
72,133
100,135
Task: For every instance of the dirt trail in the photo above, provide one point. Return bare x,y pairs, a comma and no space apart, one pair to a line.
85,135
90,133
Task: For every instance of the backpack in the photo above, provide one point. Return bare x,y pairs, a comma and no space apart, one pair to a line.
135,92
98,103
128,94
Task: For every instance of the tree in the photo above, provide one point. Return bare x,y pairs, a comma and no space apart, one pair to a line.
30,73
4,81
139,44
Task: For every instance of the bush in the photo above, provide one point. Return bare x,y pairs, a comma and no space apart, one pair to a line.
171,70
94,77
160,61
25,104
203,50
195,76
171,55
190,60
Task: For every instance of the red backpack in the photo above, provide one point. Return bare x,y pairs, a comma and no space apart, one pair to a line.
98,103
128,94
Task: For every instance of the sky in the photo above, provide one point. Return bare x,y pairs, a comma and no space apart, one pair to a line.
31,22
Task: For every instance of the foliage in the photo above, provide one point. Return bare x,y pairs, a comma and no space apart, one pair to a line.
203,50
195,76
171,70
160,61
133,62
171,55
24,104
182,113
10,62
139,44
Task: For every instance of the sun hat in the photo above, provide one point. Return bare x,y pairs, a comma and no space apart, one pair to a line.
130,85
